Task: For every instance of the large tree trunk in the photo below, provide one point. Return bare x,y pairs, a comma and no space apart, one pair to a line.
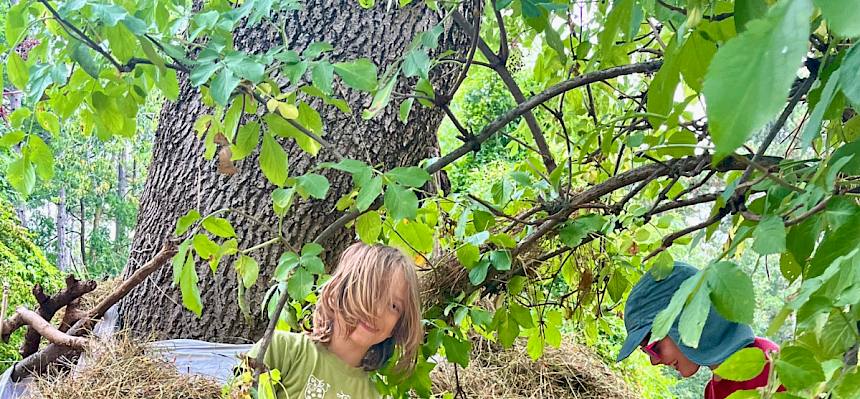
180,179
63,261
121,189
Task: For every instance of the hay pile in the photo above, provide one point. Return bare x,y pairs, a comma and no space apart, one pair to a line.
123,369
571,372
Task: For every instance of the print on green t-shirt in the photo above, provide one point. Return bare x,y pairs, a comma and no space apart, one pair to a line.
310,371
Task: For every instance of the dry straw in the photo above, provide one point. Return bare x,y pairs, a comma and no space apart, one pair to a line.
123,368
571,371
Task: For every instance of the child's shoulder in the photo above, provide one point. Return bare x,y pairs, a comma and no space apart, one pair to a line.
291,338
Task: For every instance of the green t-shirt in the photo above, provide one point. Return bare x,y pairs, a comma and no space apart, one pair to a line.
310,371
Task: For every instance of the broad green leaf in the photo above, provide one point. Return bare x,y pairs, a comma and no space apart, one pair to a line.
849,387
468,255
48,121
178,260
534,346
405,108
21,174
247,139
662,266
748,10
732,292
189,289
219,227
368,226
282,198
797,368
248,270
742,365
203,71
838,334
769,236
300,284
286,263
401,203
41,156
368,193
813,125
411,176
315,49
322,76
522,315
835,244
204,247
457,351
746,394
16,23
693,317
359,74
509,330
18,71
380,99
666,318
273,160
413,237
842,16
661,92
750,76
186,221
849,84
11,138
313,185
479,272
223,86
82,55
501,260
695,57
168,84
416,63
617,18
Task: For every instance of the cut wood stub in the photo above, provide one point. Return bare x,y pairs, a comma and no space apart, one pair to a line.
48,307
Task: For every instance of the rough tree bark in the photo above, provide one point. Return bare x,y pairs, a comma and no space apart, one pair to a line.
63,261
121,189
180,179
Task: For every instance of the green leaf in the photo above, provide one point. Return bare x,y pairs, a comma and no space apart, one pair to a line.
315,49
205,247
48,121
661,92
522,315
223,86
666,317
748,10
693,317
400,202
742,365
813,126
42,157
322,76
168,84
380,99
412,237
246,141
248,269
797,368
746,394
501,260
109,14
359,74
186,221
282,198
189,289
203,71
405,108
411,176
695,57
368,226
842,16
833,245
219,227
16,24
312,249
313,185
286,263
838,335
479,272
81,55
534,346
21,174
848,82
750,76
457,351
849,387
416,63
12,138
769,236
18,71
574,232
732,292
273,161
468,255
368,193
617,18
178,260
300,284
662,266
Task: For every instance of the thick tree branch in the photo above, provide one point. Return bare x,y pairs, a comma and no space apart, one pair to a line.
51,333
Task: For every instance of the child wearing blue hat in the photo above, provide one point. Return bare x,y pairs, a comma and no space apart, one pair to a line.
720,337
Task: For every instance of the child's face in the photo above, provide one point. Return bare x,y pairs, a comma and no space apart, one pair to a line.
669,354
371,332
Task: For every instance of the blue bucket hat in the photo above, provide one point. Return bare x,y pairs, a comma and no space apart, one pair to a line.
720,337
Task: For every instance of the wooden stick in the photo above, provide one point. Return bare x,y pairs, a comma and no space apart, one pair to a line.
48,331
39,361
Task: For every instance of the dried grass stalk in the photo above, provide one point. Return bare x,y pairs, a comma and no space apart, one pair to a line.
122,368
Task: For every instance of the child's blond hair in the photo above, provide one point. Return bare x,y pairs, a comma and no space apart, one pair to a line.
355,290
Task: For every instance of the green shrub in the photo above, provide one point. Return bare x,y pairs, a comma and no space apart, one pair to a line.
22,266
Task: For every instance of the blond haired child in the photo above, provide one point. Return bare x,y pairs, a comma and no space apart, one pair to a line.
366,312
